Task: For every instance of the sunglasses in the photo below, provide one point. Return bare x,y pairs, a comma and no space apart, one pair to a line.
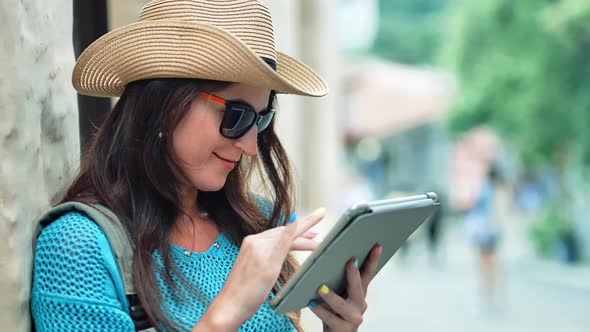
239,117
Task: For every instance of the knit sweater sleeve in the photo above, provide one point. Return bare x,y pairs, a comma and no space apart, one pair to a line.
76,282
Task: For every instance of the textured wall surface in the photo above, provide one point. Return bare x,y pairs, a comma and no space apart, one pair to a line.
38,135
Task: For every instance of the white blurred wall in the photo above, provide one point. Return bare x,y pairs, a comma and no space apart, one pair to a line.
310,127
39,143
322,143
289,124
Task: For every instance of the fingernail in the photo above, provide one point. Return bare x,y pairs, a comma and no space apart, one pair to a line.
319,212
355,264
293,217
314,233
313,304
379,249
324,289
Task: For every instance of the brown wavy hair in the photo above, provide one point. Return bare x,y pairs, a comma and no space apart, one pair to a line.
129,169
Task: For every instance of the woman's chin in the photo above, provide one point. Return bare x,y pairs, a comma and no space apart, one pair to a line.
211,185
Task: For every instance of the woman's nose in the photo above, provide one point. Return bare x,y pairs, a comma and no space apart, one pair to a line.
249,142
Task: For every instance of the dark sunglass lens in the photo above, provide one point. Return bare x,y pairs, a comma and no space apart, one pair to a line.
237,120
265,120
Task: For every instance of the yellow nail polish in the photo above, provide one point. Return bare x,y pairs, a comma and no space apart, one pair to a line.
319,212
324,289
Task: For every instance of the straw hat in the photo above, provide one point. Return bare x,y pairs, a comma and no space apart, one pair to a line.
225,40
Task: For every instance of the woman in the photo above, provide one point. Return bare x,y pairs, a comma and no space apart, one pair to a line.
483,232
174,161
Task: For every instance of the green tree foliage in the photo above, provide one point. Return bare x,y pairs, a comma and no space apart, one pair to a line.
410,30
524,68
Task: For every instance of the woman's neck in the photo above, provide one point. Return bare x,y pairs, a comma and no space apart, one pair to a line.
191,212
188,201
193,229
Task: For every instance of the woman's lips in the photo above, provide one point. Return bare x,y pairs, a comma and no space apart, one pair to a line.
228,163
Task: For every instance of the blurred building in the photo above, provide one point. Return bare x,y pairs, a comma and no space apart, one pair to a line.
397,111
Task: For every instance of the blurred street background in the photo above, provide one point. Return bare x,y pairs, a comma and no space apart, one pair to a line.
417,296
485,102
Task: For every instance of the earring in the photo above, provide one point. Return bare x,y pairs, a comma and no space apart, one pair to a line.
160,135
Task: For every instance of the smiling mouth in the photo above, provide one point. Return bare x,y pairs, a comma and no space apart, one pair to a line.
227,160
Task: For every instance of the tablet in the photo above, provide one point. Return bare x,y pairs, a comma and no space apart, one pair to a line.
387,222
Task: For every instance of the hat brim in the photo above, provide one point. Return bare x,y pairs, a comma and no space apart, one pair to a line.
164,49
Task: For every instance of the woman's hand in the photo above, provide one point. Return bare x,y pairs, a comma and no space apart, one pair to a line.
256,271
344,315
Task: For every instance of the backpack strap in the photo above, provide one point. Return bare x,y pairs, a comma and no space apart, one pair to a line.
118,239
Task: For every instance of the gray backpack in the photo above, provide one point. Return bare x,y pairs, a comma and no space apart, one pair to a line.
120,244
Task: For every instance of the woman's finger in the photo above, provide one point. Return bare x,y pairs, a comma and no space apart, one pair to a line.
288,237
349,312
354,283
370,266
304,244
310,234
327,316
298,226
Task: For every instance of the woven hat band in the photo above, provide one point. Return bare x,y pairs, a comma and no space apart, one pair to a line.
248,20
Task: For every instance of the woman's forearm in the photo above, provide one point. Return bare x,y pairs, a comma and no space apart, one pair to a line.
218,317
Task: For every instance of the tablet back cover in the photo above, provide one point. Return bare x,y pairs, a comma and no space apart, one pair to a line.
390,228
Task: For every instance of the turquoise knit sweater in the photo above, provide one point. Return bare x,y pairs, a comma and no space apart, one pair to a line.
77,286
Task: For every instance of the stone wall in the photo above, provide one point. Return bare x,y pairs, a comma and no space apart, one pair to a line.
39,143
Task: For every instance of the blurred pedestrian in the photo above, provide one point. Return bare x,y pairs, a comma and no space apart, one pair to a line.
483,233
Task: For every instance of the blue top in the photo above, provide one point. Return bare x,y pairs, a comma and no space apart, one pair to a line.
77,285
479,224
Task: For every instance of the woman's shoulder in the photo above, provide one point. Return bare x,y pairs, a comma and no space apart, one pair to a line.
73,252
266,206
73,229
263,203
75,274
73,239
